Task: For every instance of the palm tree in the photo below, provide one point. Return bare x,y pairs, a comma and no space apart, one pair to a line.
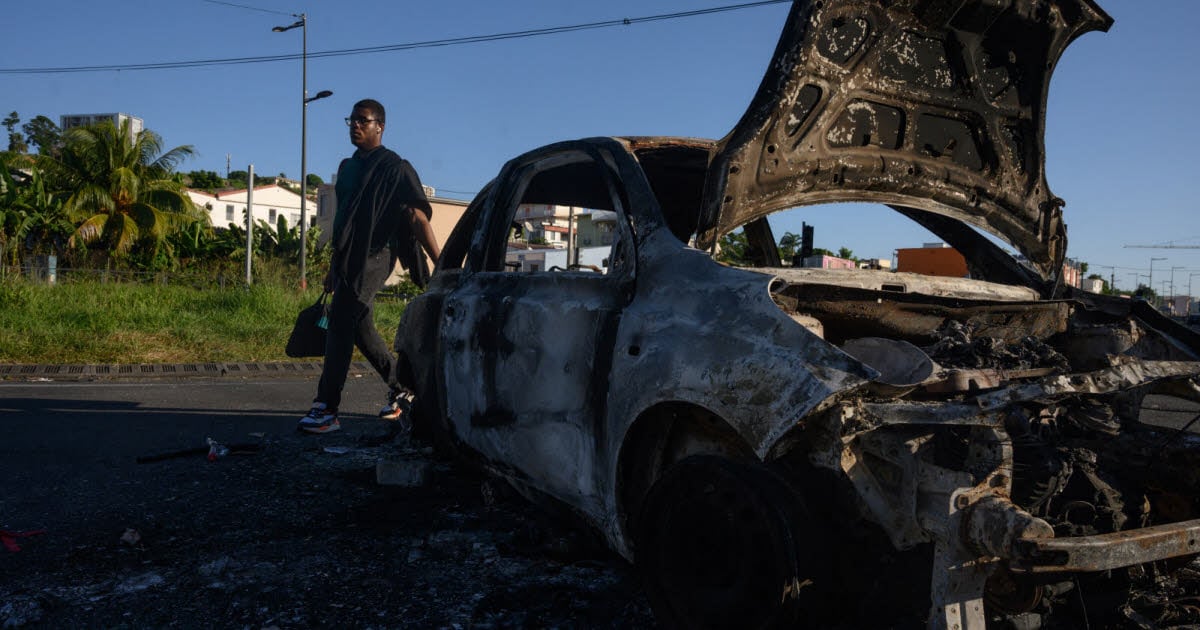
121,192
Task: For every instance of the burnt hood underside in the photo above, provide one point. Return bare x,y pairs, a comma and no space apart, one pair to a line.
931,104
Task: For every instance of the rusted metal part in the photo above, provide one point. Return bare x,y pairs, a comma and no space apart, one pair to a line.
959,582
867,103
993,524
886,474
871,415
1107,551
899,309
972,380
857,416
816,283
1106,381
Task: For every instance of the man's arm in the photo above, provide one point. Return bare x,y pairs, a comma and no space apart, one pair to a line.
423,231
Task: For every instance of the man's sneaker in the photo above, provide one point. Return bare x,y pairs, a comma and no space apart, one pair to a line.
399,404
319,420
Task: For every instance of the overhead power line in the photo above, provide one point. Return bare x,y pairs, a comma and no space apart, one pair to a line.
453,41
242,6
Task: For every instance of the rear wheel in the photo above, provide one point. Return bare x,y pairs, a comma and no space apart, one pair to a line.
727,544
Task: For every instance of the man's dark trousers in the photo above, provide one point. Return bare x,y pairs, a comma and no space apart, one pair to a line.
352,323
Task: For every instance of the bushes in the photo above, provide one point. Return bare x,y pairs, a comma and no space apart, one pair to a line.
89,322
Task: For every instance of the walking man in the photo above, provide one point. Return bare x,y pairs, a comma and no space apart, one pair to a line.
382,216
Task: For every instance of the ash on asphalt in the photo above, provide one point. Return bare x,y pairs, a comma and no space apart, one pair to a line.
290,530
298,534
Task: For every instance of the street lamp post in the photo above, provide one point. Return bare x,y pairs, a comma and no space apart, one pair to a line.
1151,281
1135,277
1173,279
1190,298
302,23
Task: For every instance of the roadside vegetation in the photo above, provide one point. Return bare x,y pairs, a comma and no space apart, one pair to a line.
108,198
95,323
140,274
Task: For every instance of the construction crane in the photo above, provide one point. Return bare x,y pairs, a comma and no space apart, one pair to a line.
1168,244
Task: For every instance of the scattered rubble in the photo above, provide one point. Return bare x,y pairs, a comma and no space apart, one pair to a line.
298,536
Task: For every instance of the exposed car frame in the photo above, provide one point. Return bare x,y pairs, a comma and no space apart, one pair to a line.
724,428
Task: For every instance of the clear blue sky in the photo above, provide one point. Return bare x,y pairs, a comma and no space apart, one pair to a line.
1119,126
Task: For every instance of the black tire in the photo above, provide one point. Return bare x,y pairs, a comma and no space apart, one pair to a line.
727,544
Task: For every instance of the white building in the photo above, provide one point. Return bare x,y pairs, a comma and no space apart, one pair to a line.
68,121
270,203
551,225
1092,285
547,236
533,258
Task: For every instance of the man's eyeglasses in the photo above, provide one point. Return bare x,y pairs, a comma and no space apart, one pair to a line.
359,121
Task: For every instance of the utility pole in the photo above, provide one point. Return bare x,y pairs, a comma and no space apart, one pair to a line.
1112,277
249,220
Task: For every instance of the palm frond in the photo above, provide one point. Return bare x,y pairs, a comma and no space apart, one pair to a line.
123,233
88,200
89,230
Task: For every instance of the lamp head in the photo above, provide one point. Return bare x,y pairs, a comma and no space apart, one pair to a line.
297,24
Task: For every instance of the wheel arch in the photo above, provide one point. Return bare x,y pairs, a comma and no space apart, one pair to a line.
661,436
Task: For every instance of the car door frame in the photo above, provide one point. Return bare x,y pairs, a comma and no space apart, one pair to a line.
490,336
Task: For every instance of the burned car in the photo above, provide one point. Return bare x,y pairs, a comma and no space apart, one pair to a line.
778,446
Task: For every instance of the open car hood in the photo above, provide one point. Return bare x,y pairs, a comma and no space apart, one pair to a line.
937,105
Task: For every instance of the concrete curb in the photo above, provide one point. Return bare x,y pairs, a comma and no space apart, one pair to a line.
42,372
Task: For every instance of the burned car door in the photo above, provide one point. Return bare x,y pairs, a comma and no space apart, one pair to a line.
527,353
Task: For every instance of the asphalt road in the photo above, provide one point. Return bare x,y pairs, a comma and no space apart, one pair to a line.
292,532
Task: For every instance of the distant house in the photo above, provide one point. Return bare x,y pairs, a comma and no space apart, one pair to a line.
1092,285
822,261
884,264
1177,304
551,224
556,237
1072,273
270,202
533,258
932,259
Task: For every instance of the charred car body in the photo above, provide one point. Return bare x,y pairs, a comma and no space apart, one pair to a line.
759,439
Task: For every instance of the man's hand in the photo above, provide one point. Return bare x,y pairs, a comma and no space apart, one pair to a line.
424,233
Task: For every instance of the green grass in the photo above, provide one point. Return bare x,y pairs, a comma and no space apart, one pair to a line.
84,323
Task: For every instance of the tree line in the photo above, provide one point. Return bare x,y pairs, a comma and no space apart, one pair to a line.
104,196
